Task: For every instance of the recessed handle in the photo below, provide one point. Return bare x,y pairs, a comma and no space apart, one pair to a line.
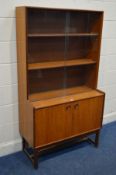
68,107
76,106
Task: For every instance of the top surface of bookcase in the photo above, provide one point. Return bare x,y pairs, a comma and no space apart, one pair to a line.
66,9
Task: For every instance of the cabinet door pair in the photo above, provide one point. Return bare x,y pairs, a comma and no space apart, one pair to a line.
63,121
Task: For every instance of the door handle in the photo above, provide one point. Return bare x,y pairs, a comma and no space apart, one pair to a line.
68,107
76,106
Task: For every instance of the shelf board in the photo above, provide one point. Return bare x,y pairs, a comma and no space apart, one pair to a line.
58,93
50,98
55,64
62,34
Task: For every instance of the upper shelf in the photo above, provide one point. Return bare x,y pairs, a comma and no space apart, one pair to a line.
55,64
31,35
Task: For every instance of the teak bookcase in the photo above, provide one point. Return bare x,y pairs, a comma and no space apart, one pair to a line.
58,59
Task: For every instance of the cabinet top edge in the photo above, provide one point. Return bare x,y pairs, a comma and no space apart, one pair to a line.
63,9
65,100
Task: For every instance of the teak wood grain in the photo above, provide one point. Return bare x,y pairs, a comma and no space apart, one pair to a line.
61,122
85,111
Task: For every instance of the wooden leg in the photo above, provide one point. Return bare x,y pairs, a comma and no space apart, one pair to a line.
24,144
32,156
97,139
35,159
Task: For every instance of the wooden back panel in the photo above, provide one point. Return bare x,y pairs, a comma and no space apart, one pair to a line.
54,79
46,21
85,22
46,49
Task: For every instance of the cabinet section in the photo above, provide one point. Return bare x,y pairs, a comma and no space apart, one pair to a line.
52,124
87,115
64,121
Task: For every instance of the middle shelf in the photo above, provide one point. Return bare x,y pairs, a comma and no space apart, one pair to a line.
55,64
92,34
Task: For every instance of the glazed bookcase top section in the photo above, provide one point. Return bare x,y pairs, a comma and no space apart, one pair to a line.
62,51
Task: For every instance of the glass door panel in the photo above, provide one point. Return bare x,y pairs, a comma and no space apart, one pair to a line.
46,53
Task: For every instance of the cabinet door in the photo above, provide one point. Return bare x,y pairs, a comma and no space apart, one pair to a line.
52,124
87,115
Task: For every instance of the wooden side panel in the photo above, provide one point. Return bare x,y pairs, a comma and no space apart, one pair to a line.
87,115
52,124
26,127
